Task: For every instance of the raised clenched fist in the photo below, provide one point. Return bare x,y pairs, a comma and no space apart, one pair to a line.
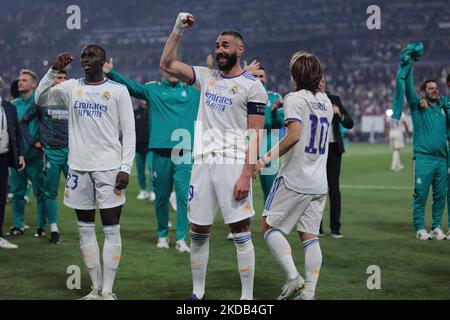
184,20
62,61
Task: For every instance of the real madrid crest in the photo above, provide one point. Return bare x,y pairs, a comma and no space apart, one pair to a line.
106,95
234,89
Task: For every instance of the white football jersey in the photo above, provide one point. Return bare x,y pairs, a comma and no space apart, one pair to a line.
304,167
222,115
96,114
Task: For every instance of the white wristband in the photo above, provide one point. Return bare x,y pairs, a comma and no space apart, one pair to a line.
180,24
265,160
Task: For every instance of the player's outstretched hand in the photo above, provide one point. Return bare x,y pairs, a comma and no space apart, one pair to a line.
209,61
62,61
184,20
252,67
108,66
277,105
122,180
241,188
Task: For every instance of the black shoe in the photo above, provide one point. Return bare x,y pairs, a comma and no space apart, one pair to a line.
194,297
337,235
16,232
40,233
54,238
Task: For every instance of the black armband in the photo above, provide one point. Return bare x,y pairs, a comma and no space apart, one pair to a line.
256,108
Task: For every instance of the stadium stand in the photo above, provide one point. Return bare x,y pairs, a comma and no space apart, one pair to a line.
360,63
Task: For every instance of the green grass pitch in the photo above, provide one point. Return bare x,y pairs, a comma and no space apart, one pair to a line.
377,225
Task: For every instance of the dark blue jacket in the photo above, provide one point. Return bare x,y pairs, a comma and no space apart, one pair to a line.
15,135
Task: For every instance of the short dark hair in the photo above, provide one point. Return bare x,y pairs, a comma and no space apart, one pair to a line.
97,47
306,71
423,87
233,33
14,89
62,71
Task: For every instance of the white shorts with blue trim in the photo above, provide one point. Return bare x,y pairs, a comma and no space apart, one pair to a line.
286,208
87,189
211,188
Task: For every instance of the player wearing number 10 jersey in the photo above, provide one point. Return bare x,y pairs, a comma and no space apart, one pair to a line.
298,195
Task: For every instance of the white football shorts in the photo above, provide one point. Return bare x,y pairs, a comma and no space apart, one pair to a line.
286,208
211,188
87,189
397,142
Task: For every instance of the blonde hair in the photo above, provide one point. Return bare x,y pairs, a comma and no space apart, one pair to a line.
306,71
29,72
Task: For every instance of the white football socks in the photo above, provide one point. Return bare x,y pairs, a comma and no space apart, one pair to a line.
112,250
90,252
313,262
199,261
282,252
396,160
246,262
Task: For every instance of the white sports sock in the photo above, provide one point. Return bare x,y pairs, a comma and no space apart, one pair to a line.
282,252
396,159
90,252
112,250
54,227
313,262
199,261
246,262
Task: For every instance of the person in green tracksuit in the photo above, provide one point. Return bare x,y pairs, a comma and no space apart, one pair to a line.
33,158
445,101
53,124
429,142
274,119
172,105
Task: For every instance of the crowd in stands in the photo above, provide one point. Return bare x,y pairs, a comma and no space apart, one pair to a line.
360,64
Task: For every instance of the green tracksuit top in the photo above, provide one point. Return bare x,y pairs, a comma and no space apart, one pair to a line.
430,124
430,129
22,106
170,108
272,120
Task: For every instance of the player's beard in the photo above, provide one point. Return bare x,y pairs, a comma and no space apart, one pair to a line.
231,61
